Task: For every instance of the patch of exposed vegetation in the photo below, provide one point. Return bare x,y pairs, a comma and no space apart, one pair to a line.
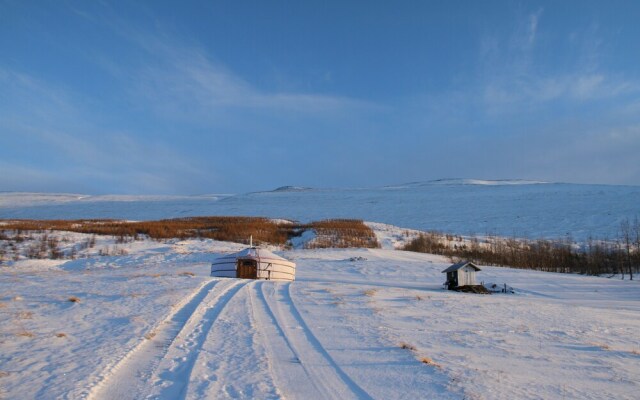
370,292
407,346
342,233
617,256
329,233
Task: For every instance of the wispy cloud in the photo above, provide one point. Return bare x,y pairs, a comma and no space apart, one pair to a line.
516,75
183,79
522,115
533,26
54,122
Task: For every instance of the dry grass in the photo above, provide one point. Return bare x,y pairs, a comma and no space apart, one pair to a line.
74,299
603,346
24,315
342,233
148,275
370,292
3,305
150,335
25,334
407,346
186,273
418,297
61,335
3,374
429,361
635,352
236,229
423,359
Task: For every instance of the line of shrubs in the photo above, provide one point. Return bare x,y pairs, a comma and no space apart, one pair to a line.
620,255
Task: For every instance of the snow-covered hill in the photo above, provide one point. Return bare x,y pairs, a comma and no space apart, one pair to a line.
505,208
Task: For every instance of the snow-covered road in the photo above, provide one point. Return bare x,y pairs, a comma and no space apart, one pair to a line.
244,339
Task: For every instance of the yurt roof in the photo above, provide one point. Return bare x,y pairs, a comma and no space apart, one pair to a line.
254,252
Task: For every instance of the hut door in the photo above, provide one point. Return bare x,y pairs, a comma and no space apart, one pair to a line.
247,269
462,277
471,277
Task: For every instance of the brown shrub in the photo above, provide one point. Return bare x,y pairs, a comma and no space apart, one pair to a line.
74,299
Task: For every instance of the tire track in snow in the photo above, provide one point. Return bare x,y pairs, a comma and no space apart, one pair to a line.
233,362
171,382
129,378
125,376
298,354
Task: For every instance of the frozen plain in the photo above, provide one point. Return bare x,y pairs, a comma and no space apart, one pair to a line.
152,324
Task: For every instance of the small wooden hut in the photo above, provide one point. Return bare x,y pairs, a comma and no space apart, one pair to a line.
461,274
254,263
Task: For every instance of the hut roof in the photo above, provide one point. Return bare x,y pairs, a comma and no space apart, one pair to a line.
461,264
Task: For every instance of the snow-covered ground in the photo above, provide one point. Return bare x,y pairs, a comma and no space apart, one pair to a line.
356,323
504,208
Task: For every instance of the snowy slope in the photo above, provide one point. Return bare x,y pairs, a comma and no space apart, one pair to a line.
144,327
505,208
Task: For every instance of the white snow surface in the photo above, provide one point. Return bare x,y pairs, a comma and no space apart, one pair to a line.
152,324
509,208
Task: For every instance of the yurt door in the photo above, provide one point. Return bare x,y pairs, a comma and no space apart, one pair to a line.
247,269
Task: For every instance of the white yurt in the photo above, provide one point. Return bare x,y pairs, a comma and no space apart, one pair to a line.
254,263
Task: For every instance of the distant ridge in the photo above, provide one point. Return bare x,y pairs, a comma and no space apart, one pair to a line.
491,182
292,189
463,181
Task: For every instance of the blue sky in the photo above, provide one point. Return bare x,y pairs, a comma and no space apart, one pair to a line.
200,97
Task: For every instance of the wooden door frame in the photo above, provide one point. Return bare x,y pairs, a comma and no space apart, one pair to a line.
241,265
